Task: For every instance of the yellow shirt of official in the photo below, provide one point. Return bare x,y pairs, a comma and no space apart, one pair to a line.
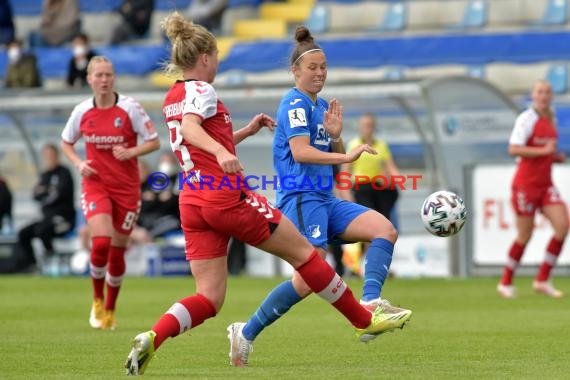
370,164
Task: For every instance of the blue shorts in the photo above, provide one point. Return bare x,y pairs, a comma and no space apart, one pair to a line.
321,218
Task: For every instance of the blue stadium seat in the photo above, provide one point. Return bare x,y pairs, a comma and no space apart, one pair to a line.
242,3
319,19
26,7
100,6
555,13
170,5
395,19
475,15
557,75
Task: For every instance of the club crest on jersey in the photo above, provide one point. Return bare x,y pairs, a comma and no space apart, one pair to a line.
118,122
314,230
92,206
297,118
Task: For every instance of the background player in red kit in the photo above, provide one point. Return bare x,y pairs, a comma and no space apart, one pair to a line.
202,138
533,140
109,123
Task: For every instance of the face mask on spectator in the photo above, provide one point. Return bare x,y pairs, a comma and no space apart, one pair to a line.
79,50
14,54
167,168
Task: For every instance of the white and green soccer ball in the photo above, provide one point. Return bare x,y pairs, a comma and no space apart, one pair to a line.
443,213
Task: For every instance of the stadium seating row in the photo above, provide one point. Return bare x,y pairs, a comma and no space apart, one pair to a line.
366,52
34,7
427,15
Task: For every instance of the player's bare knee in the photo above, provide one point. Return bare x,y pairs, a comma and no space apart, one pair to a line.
215,297
300,286
388,232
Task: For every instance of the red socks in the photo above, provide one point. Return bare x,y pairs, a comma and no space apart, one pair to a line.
552,253
114,277
99,252
187,313
515,254
324,281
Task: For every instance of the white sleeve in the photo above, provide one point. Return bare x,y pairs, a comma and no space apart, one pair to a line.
142,124
201,99
72,131
524,126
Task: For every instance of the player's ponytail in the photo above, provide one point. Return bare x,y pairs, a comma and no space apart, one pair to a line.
188,41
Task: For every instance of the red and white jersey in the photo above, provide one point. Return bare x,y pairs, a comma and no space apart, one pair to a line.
104,128
532,130
206,184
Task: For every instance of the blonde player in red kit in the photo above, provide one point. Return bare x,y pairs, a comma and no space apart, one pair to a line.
202,137
110,124
533,140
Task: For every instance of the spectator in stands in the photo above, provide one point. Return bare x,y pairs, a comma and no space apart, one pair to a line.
60,23
54,192
82,54
7,32
159,208
207,13
22,67
5,206
534,142
135,21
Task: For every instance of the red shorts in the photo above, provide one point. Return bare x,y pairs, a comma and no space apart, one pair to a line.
124,209
207,230
526,201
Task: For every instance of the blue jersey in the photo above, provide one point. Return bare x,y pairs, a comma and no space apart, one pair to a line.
298,115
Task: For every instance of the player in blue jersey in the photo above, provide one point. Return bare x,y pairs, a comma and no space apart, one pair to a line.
307,143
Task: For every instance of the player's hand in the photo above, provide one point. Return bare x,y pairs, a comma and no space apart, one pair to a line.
559,157
228,162
121,153
259,121
354,154
85,168
332,121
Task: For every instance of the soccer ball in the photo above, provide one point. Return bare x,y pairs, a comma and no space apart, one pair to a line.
79,262
443,213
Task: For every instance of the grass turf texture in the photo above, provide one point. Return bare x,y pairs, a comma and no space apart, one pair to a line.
460,329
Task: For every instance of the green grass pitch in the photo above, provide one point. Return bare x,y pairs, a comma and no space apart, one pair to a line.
460,330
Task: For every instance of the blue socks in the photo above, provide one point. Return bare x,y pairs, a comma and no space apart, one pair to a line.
277,303
376,264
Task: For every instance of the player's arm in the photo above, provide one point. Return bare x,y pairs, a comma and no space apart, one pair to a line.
259,121
121,153
84,167
533,151
193,132
303,152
